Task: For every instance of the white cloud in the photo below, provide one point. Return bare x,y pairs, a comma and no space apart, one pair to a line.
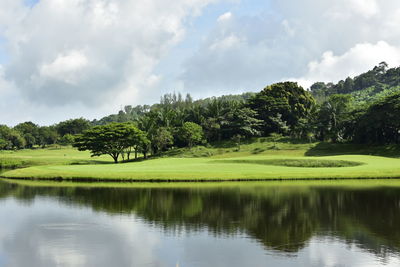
92,53
366,8
358,59
309,39
224,17
347,9
226,43
66,67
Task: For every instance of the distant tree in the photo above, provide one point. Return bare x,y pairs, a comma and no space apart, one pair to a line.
30,140
192,133
11,139
237,139
72,126
241,121
17,141
3,144
212,129
162,139
380,123
280,126
67,139
332,116
30,132
47,136
348,86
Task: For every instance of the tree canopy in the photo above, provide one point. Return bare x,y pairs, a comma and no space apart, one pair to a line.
111,139
286,100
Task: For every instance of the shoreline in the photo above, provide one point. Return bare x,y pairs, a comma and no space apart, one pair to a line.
194,181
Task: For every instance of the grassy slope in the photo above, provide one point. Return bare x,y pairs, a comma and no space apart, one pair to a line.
49,156
190,165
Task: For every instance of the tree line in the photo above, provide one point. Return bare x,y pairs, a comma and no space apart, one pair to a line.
285,108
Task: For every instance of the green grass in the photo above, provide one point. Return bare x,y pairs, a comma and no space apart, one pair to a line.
7,163
205,169
50,156
257,160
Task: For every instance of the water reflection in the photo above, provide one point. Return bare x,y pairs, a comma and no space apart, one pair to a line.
215,226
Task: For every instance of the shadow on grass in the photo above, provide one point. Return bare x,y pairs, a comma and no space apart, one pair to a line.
329,149
95,162
302,163
90,162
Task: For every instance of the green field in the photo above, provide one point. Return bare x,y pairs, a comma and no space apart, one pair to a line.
260,160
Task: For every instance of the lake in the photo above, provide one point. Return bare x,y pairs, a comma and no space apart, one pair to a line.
254,224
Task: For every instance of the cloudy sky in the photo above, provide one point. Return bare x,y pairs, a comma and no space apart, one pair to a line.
62,59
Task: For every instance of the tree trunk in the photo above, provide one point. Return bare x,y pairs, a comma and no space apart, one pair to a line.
115,157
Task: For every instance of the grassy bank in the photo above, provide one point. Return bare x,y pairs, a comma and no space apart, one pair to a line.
6,163
259,160
347,183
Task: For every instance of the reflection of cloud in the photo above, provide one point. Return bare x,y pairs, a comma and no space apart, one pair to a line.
52,235
60,256
49,233
330,252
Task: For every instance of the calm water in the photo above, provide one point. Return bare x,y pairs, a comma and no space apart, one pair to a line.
254,225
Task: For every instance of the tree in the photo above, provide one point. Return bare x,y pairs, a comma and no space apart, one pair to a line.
332,116
135,141
237,139
162,139
192,133
11,139
17,141
72,126
47,135
288,99
241,121
30,132
67,139
111,139
3,143
380,123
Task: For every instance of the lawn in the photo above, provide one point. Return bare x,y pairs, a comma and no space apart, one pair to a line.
194,169
255,161
48,156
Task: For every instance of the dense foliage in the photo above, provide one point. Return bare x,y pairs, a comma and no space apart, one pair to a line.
282,104
363,109
113,139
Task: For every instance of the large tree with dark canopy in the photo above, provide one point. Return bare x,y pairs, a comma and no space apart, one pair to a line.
381,122
286,100
111,139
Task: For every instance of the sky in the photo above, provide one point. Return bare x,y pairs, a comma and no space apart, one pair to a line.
62,59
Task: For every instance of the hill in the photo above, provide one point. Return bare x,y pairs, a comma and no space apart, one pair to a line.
367,87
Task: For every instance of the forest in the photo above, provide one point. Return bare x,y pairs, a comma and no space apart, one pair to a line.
362,110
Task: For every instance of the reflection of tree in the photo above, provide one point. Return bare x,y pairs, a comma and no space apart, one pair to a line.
282,218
